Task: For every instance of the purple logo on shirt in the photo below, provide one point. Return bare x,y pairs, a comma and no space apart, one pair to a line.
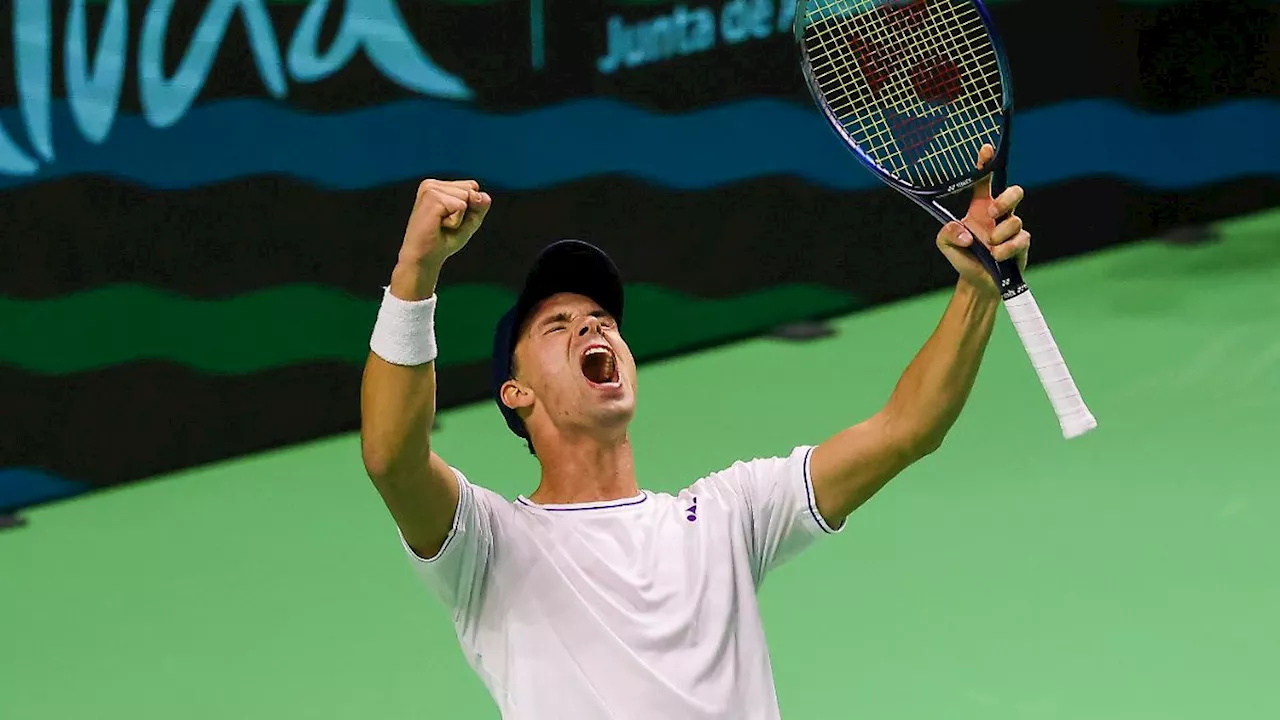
692,510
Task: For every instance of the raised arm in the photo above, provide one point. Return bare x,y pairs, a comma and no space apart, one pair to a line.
398,393
854,464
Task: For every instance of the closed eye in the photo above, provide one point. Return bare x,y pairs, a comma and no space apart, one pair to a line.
559,321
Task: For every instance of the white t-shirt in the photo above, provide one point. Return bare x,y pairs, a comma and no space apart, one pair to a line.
642,608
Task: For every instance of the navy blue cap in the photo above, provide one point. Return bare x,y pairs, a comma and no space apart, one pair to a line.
565,266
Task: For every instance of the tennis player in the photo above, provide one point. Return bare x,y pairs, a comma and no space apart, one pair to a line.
592,597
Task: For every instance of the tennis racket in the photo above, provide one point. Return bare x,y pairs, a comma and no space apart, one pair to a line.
915,88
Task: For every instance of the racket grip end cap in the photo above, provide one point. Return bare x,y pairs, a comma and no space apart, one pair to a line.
1074,427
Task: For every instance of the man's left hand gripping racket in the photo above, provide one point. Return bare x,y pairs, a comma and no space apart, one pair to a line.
915,88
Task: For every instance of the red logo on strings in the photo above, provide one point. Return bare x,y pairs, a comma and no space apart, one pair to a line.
936,79
904,15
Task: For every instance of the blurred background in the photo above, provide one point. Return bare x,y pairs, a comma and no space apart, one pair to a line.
200,201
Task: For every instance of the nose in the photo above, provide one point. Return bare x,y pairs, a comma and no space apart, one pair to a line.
592,324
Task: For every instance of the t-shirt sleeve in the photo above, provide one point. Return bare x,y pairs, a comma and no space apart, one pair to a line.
775,504
457,574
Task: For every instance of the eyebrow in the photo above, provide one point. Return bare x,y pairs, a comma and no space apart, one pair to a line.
565,316
560,317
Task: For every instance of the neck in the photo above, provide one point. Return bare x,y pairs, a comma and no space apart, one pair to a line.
586,470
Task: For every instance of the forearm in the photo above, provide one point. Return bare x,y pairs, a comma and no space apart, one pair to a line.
932,391
398,402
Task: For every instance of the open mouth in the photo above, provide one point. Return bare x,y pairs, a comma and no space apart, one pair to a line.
599,365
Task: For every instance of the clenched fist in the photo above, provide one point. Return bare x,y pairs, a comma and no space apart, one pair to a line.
445,215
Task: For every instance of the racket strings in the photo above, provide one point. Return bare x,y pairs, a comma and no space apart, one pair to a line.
838,37
987,107
912,138
834,33
882,80
876,134
878,29
915,136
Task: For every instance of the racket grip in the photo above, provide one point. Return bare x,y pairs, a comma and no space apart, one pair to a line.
1073,416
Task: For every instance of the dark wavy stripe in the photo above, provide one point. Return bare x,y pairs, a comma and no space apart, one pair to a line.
217,242
133,421
136,421
1145,53
700,150
298,324
139,420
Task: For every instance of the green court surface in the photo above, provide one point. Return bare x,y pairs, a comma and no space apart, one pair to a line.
1132,574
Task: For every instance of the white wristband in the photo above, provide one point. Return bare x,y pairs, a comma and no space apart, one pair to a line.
405,333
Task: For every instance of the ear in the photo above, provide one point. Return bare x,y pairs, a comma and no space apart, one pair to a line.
515,395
